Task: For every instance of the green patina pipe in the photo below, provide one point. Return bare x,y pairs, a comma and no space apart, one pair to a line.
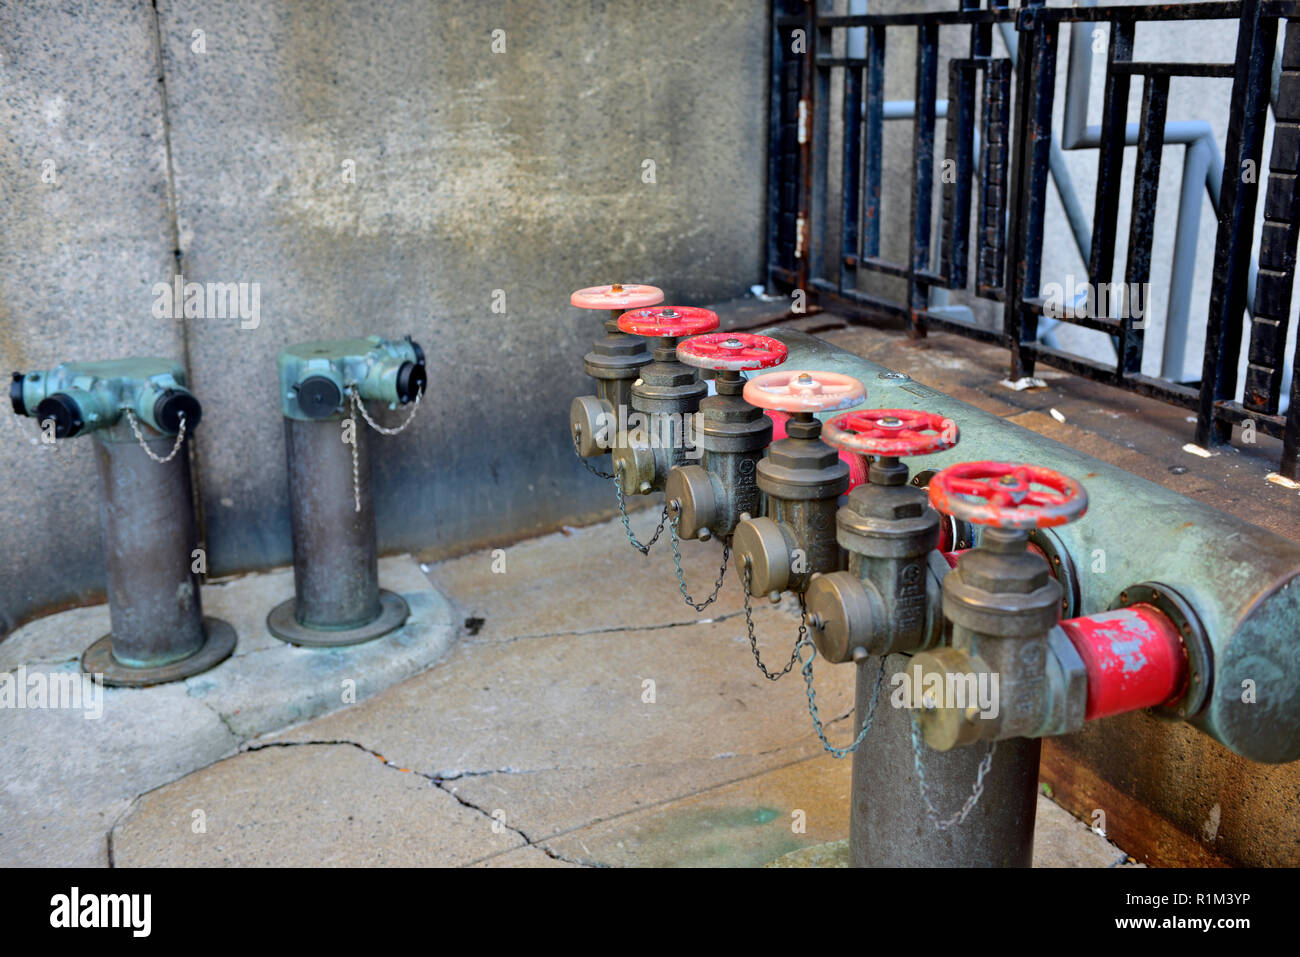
91,396
1242,581
315,376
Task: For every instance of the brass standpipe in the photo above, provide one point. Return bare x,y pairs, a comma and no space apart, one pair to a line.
615,362
1004,607
802,479
889,599
659,433
708,499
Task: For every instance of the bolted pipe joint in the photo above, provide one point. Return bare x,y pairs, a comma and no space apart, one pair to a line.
708,499
659,433
802,479
614,362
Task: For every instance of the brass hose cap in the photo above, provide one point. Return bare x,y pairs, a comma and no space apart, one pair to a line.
944,724
838,605
690,498
589,417
759,543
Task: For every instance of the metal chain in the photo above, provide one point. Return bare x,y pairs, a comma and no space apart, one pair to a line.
746,577
356,470
180,437
622,510
587,465
976,790
358,404
355,405
867,720
681,579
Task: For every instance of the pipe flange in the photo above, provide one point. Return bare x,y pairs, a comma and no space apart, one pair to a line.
218,643
1062,566
1200,656
283,623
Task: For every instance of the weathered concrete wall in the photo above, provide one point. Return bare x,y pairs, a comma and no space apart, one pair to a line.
84,234
467,171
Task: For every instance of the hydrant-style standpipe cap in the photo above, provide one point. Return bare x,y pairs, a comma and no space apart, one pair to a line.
1007,495
801,391
891,432
731,351
319,397
617,296
64,411
171,405
16,394
668,321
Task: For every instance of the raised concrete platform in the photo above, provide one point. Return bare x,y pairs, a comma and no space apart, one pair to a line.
66,777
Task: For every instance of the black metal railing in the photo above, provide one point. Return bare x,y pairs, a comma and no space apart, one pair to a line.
826,176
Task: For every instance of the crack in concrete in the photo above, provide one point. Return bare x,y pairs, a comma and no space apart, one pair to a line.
437,782
582,633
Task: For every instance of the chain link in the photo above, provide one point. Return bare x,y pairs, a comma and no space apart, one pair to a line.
681,579
746,577
356,470
622,510
180,437
868,719
358,404
599,473
977,789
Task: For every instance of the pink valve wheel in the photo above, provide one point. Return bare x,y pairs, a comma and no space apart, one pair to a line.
858,464
1003,494
670,321
801,391
890,432
731,351
617,296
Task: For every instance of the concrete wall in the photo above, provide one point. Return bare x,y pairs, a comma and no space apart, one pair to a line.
223,155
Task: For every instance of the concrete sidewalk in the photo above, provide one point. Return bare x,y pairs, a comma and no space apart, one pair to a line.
586,716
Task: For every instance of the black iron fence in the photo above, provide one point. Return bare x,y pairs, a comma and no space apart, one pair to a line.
825,182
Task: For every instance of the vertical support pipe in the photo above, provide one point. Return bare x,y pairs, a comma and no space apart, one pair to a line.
146,510
889,826
335,560
147,516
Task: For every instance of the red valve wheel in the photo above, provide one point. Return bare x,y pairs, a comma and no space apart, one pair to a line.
801,391
1003,494
736,351
617,296
672,321
893,432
